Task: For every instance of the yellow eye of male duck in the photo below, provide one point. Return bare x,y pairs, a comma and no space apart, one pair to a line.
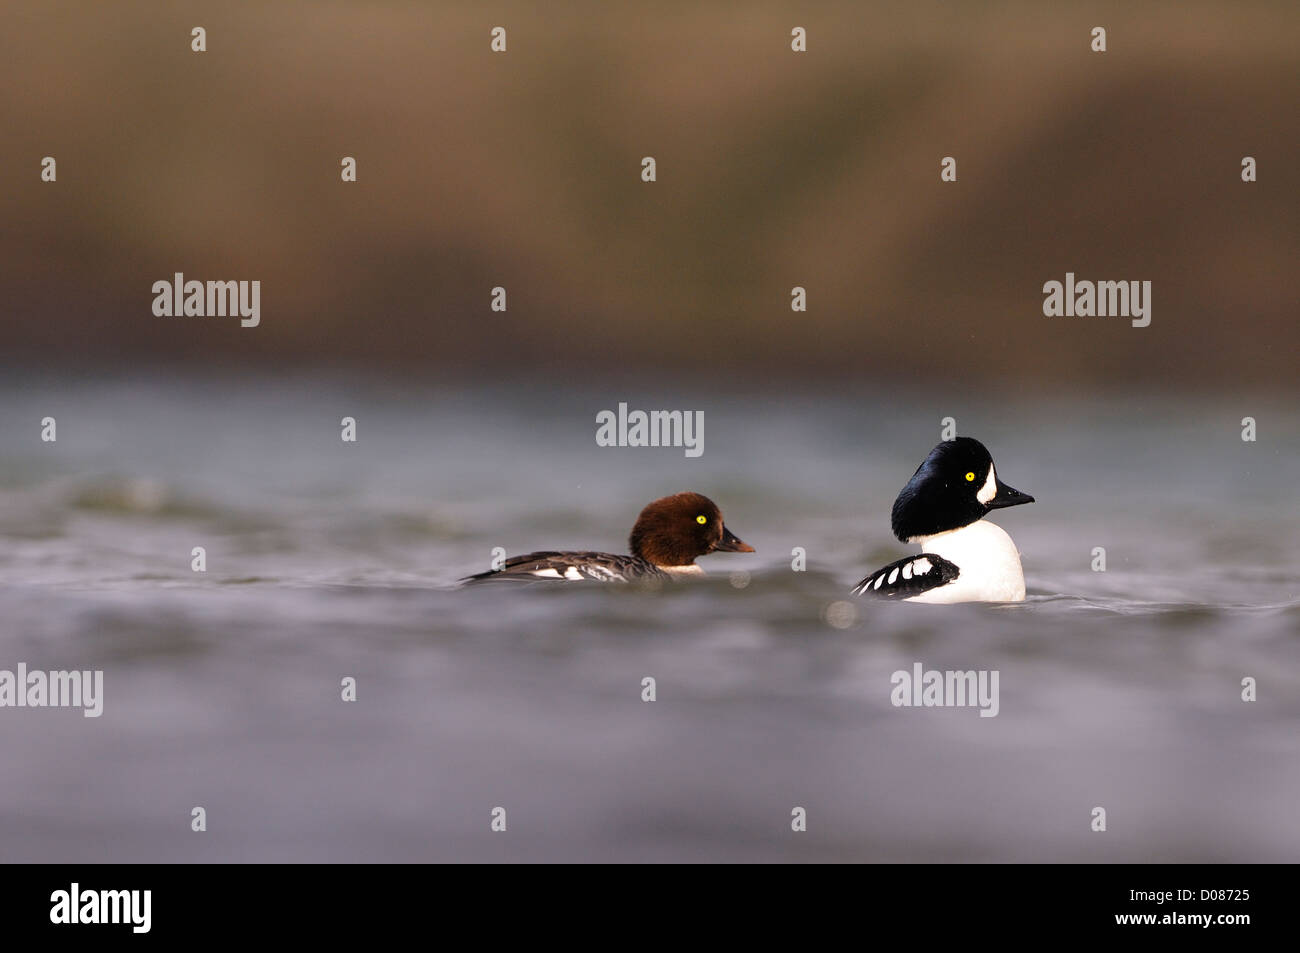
701,519
970,478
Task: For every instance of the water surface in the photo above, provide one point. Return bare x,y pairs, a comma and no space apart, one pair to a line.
1119,689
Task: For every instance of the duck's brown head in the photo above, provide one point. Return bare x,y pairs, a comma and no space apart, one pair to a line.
674,531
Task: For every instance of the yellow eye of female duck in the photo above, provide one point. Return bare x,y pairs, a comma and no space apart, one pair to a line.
701,519
970,478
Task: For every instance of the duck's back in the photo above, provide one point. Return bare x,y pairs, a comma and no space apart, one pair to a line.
571,567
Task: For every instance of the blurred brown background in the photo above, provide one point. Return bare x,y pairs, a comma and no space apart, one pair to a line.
775,169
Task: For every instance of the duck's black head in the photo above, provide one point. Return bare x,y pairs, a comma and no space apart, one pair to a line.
956,485
674,530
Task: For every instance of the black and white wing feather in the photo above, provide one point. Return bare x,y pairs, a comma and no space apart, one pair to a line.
571,567
908,577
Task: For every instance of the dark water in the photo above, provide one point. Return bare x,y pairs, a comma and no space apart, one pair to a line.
1119,689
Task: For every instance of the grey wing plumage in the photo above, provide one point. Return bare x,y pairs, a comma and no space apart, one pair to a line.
908,577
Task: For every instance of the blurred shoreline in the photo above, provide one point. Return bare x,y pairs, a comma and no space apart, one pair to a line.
776,170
